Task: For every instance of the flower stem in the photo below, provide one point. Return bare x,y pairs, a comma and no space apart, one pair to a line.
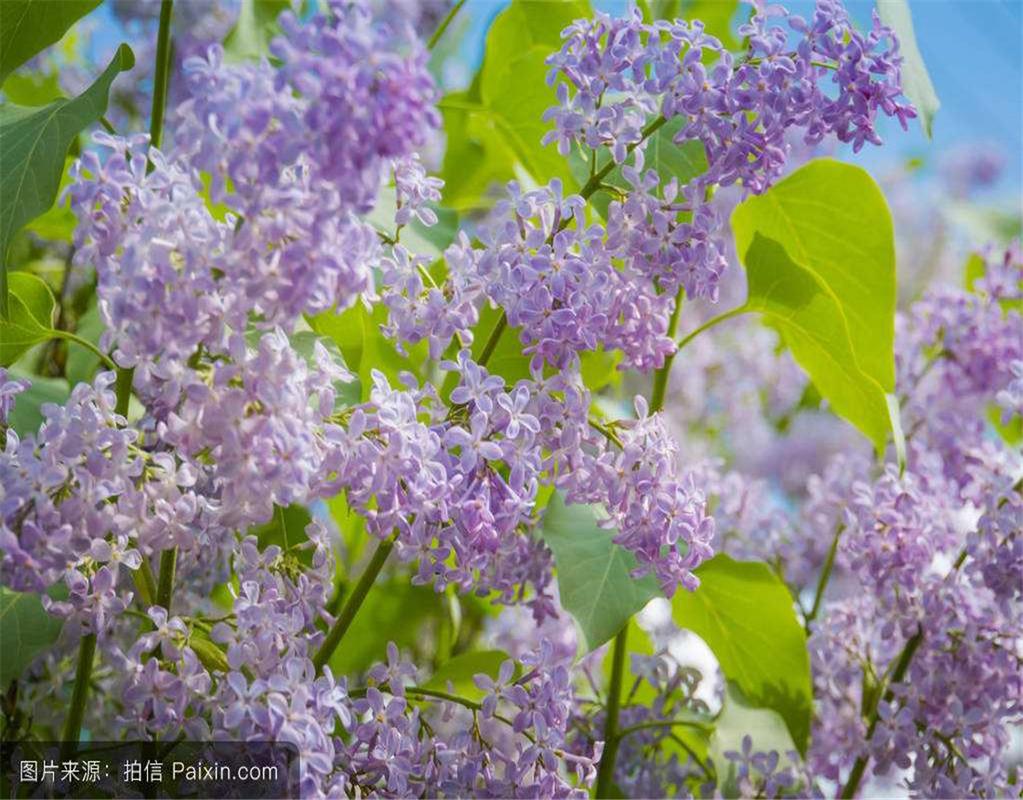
145,584
56,333
162,78
710,324
661,376
822,583
495,337
593,184
444,24
353,604
906,656
83,675
605,772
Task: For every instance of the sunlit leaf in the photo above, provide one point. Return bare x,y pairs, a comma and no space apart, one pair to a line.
916,82
746,616
250,37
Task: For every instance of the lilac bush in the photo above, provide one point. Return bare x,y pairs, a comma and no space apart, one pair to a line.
280,353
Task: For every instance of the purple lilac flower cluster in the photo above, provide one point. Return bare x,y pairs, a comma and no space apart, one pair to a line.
83,498
615,75
617,72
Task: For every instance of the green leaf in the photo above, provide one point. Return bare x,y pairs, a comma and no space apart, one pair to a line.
1011,429
357,332
25,631
286,529
506,360
599,368
476,157
32,88
717,16
57,224
30,317
594,574
746,616
974,270
395,611
346,329
28,27
740,718
833,221
513,81
461,670
34,142
208,652
27,415
811,323
304,342
416,237
256,26
916,83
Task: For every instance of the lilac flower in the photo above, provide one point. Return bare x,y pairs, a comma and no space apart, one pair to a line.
415,190
477,386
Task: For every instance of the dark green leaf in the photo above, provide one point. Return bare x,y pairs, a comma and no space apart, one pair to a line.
461,670
916,82
814,328
286,530
28,27
25,631
257,24
208,652
57,224
746,616
595,583
30,317
34,142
